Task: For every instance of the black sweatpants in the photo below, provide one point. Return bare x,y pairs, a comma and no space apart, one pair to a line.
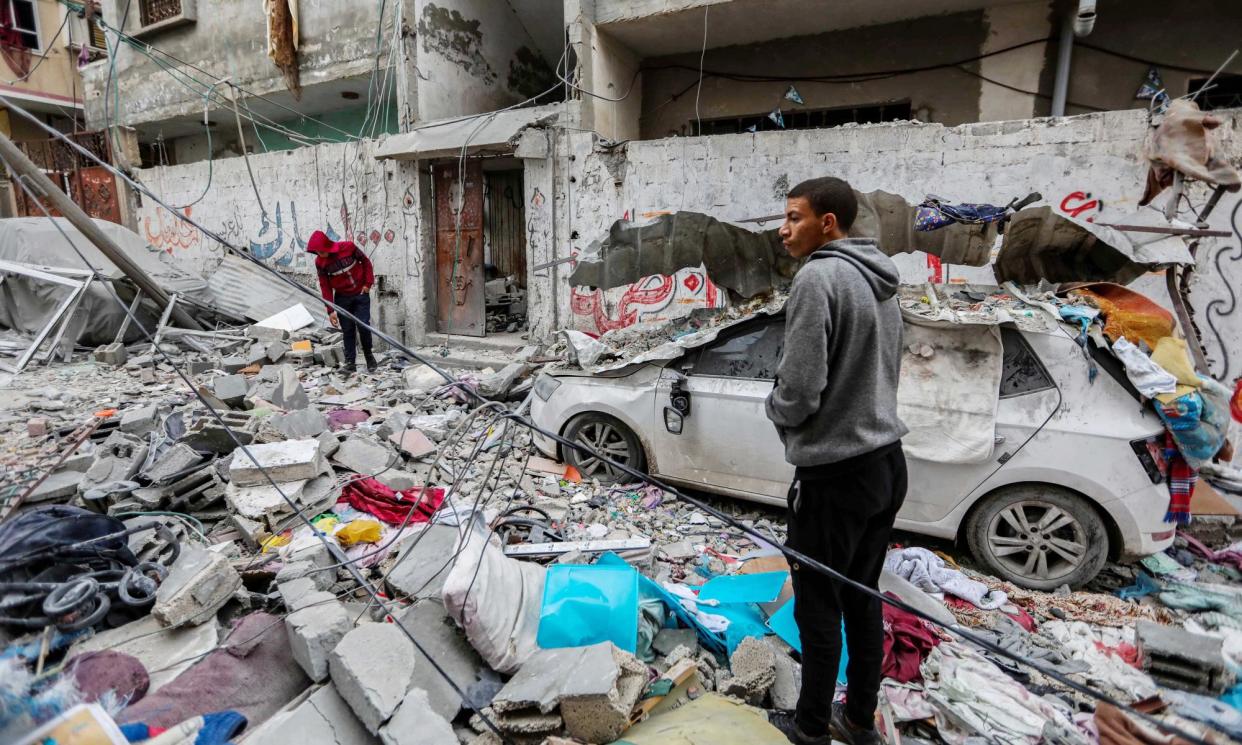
360,306
842,514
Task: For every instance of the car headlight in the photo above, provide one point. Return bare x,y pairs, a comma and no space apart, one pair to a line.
545,386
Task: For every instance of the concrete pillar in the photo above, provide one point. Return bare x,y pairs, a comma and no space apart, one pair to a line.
124,142
407,66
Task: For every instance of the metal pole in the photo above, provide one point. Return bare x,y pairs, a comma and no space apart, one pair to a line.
22,167
1060,86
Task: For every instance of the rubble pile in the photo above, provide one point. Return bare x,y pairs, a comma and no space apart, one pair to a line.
559,608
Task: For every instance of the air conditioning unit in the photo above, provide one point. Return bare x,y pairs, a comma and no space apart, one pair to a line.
89,35
157,15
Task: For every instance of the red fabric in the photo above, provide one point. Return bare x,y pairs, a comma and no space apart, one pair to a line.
370,496
907,640
1022,618
1182,478
1235,403
341,266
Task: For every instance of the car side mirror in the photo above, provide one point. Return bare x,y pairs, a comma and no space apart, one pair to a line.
674,422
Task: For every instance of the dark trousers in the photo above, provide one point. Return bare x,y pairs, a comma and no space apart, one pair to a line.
842,515
360,306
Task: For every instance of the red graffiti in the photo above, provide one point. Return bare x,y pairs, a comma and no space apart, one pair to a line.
1077,202
641,293
935,272
691,282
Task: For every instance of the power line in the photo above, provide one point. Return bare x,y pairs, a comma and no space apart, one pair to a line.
790,554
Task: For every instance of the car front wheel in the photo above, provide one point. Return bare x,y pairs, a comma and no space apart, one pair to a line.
608,436
1038,536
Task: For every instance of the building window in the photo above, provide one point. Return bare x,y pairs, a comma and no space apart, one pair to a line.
806,119
22,20
1225,93
154,11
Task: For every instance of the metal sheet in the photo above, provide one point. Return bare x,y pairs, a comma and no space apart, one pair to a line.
505,224
244,290
438,139
459,257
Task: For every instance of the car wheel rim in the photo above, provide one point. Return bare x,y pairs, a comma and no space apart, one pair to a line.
1037,540
604,438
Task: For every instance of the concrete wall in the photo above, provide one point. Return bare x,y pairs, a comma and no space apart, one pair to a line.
230,39
476,56
338,188
1072,162
949,96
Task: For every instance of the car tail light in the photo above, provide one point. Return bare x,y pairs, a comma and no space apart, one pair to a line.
1163,535
1150,452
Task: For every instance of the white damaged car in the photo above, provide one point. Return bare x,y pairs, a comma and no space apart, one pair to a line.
1045,473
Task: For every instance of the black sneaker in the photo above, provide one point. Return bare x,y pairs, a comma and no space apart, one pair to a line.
784,721
372,365
845,731
349,369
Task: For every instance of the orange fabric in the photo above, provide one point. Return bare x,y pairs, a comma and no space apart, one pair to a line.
1128,313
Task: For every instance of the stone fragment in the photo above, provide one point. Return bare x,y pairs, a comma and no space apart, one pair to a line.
117,458
231,389
113,354
276,350
788,681
292,570
423,563
59,485
498,385
252,531
364,455
416,723
146,376
37,427
314,631
301,424
666,640
332,355
1181,659
291,460
297,593
592,715
266,333
414,443
199,584
281,387
174,461
421,379
754,671
233,364
141,420
438,634
399,480
372,667
322,719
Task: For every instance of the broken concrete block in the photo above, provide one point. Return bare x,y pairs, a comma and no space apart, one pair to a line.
754,671
276,350
256,355
266,333
788,681
314,631
198,367
301,424
1180,659
233,364
438,634
271,504
328,444
292,570
58,485
199,584
423,563
117,458
364,455
400,480
37,427
146,376
499,384
422,379
416,723
332,355
322,719
279,385
252,531
141,420
231,389
372,667
291,460
308,548
113,354
413,443
594,715
298,593
175,460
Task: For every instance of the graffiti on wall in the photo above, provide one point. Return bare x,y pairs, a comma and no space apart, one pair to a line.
1081,204
170,233
653,299
281,241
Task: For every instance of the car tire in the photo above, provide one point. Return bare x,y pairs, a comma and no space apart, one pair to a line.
1038,536
615,439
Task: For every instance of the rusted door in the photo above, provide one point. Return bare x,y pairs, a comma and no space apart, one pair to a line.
91,187
459,250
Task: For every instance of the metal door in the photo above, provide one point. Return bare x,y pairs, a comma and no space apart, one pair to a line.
459,250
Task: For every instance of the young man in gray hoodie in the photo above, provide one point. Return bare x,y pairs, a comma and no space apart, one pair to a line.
835,407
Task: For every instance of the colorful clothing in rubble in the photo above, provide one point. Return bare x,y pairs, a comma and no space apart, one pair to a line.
907,640
1182,479
394,508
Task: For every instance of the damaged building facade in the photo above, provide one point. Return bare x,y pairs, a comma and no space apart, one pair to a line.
545,183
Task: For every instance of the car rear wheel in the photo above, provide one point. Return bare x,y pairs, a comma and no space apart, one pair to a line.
1038,536
603,434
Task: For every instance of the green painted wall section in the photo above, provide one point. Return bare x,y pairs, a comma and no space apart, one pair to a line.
350,120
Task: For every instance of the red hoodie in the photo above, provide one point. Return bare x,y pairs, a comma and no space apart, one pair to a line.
343,270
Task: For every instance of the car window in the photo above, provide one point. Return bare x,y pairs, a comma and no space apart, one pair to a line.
752,354
1022,371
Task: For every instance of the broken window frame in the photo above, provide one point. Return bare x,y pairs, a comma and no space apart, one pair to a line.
25,33
64,310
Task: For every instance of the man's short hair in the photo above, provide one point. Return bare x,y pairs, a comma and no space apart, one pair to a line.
829,194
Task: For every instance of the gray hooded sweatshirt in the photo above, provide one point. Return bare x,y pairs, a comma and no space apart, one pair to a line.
836,390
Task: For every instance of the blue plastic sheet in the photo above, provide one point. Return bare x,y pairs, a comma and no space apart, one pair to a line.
763,587
785,626
1142,587
586,604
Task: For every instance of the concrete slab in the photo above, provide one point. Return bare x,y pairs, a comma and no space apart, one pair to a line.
314,631
176,459
292,570
372,667
141,420
602,717
423,563
439,635
364,455
301,424
231,389
164,652
416,723
291,460
413,443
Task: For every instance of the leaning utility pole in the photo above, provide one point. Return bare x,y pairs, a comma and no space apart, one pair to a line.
22,167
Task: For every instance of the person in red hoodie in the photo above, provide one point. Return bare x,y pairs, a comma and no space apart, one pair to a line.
345,278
